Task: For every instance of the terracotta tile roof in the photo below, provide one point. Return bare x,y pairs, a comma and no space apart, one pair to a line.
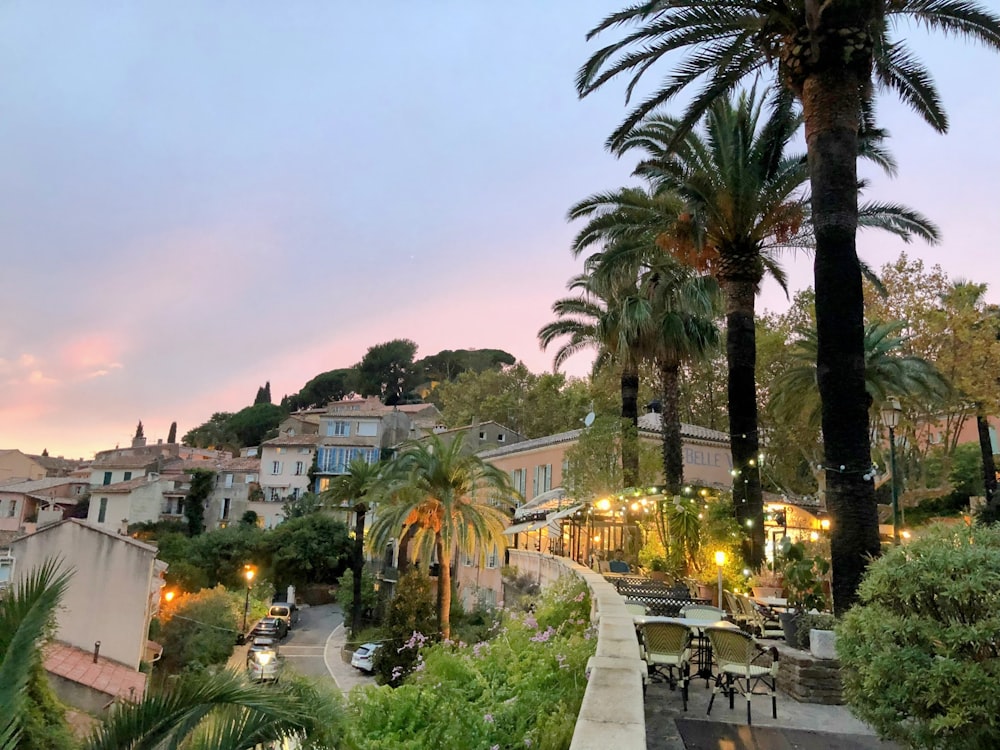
96,529
651,421
118,487
77,665
37,485
304,440
244,464
123,462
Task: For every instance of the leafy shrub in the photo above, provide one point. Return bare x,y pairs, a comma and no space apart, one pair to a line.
345,592
521,688
807,622
920,651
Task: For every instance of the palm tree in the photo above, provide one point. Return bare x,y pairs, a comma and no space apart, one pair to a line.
830,55
26,614
356,487
449,500
888,374
598,318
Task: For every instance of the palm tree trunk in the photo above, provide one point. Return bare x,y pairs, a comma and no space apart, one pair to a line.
444,589
831,103
630,424
741,355
989,467
670,422
358,565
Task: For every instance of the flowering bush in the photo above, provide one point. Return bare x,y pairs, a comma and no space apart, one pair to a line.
522,688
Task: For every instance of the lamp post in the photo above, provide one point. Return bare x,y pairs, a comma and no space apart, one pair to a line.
890,418
720,560
248,574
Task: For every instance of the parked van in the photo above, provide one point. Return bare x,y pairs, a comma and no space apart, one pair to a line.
286,611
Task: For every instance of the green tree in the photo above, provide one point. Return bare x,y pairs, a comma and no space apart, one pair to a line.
311,549
387,371
332,385
448,500
202,484
255,424
531,405
26,619
832,56
448,364
139,431
263,394
305,504
215,433
199,629
172,435
356,489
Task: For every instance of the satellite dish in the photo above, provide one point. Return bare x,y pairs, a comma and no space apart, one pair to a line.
589,419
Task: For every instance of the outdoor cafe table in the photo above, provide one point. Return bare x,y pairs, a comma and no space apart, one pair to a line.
703,652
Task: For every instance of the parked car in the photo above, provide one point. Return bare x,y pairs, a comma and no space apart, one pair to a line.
286,611
270,627
364,657
263,662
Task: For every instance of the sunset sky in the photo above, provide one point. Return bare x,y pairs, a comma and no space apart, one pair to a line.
198,197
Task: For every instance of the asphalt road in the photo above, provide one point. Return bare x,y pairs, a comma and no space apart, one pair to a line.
303,646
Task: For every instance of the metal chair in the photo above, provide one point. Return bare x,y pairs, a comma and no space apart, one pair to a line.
743,664
667,651
734,609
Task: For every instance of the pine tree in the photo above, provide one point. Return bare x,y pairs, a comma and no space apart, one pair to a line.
172,435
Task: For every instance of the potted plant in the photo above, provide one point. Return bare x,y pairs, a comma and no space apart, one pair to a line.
803,585
658,569
767,583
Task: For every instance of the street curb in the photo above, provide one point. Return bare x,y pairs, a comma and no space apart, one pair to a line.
326,656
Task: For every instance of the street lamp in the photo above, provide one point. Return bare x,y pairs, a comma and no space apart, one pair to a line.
720,560
248,574
890,418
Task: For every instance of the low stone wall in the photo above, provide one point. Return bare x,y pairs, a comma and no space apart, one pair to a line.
808,679
612,713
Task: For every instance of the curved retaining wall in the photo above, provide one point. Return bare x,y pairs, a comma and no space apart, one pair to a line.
612,713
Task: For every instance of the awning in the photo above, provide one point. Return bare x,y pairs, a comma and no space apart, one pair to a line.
517,528
563,513
524,528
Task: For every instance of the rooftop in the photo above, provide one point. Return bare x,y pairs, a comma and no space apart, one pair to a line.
79,666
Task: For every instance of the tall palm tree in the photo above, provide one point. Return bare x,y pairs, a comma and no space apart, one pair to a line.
450,500
596,319
744,202
26,614
831,55
358,487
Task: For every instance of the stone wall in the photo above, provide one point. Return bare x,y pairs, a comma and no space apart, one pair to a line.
808,679
612,713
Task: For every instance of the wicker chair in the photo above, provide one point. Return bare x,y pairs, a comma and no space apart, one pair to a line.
734,608
702,612
758,620
667,650
743,664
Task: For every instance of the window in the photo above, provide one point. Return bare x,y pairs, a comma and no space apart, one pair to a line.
128,476
338,429
518,477
224,509
250,478
543,480
12,510
303,450
468,559
102,512
275,467
299,467
493,559
501,437
295,493
367,429
482,435
107,478
228,482
6,568
332,460
275,495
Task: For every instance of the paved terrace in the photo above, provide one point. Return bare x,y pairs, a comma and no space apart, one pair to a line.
615,714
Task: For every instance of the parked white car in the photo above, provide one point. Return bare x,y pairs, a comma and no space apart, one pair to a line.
364,657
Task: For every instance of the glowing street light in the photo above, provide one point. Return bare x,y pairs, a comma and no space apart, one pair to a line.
720,560
248,573
891,412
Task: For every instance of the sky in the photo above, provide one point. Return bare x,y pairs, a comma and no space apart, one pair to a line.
199,197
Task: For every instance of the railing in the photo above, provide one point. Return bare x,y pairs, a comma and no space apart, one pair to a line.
658,598
612,713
